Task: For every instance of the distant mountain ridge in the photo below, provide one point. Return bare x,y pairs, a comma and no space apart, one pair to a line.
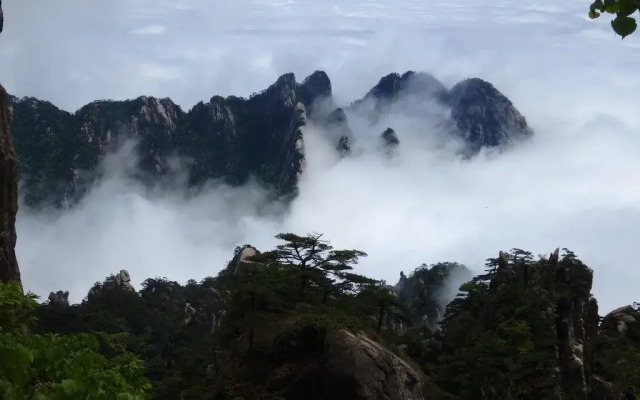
232,139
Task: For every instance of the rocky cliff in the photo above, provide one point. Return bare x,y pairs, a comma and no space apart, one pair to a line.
232,139
340,365
225,138
9,270
542,324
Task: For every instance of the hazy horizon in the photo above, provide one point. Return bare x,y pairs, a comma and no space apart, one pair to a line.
573,185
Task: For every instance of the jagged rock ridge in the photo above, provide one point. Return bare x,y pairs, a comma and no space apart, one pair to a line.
232,139
9,270
228,139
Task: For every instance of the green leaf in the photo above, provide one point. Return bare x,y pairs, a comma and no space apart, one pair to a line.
627,7
597,5
594,14
613,8
624,26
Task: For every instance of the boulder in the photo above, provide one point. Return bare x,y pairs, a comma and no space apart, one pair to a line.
314,364
241,260
120,281
370,370
623,322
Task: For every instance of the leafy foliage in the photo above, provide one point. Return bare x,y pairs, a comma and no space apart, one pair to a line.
623,24
244,333
55,366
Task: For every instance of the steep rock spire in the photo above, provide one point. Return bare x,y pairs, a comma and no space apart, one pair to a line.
9,270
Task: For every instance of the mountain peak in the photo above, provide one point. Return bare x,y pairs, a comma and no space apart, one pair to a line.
484,116
234,138
318,84
390,137
391,86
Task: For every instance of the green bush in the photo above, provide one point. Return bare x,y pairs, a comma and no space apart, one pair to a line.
59,366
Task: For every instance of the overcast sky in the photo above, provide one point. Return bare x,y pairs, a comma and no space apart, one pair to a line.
575,185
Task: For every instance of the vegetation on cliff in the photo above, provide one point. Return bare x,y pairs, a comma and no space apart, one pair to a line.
296,322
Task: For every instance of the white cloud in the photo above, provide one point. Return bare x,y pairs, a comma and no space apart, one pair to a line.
150,30
574,185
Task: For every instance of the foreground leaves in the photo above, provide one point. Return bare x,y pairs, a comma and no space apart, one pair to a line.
55,366
623,24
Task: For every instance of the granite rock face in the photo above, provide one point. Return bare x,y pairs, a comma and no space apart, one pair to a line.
341,365
484,116
563,318
241,260
117,282
9,270
373,372
229,139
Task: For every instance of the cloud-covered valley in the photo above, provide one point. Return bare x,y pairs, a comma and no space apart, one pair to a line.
574,184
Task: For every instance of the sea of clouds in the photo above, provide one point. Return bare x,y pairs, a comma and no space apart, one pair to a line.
574,185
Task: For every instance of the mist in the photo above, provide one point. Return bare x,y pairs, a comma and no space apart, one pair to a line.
573,185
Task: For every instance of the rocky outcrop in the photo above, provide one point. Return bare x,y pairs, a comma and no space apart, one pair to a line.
370,370
617,355
241,260
562,317
59,299
571,314
120,281
313,364
315,89
9,270
390,138
394,85
480,114
623,322
484,116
